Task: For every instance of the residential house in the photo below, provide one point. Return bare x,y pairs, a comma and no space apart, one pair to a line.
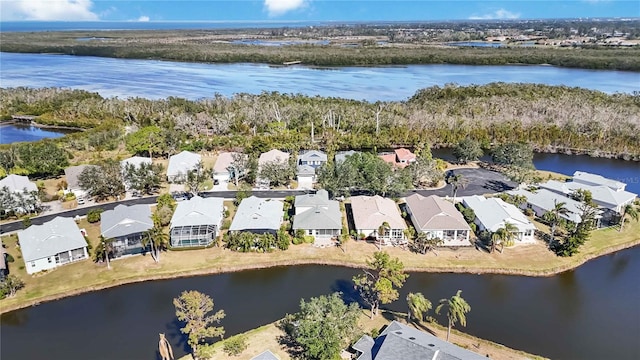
196,222
493,213
18,184
586,178
19,188
399,341
306,176
136,162
371,212
542,201
271,156
609,200
222,170
318,217
180,164
341,156
4,270
52,244
399,158
126,225
438,218
266,355
313,158
71,174
258,216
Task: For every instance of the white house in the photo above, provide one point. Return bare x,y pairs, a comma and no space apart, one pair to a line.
258,216
126,225
52,244
222,173
18,183
318,217
438,218
180,164
586,178
371,212
71,175
542,201
493,213
135,161
196,222
306,176
313,158
271,156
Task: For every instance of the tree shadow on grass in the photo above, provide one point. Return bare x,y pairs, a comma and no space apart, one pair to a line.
287,341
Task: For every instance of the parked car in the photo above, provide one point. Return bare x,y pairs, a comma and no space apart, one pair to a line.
80,201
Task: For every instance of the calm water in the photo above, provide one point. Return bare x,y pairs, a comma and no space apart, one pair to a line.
160,79
589,313
150,25
15,133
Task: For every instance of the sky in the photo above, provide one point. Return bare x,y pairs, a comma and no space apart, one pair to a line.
310,10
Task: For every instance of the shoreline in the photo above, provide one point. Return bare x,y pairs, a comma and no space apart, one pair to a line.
214,270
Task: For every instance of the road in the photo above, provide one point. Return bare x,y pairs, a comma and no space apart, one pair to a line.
480,181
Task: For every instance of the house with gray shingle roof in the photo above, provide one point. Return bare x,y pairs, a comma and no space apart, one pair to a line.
271,156
371,212
180,164
18,183
196,222
16,188
542,201
611,201
126,225
71,175
258,216
52,244
438,218
222,170
266,355
313,158
306,176
493,213
318,217
341,156
399,341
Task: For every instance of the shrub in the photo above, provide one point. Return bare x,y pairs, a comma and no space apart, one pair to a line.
10,258
235,345
528,212
93,216
226,224
26,222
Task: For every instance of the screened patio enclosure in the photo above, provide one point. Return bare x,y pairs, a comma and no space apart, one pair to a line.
192,235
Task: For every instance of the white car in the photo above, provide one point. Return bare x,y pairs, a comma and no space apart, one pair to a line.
81,201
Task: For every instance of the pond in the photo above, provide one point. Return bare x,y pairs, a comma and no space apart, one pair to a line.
10,133
589,313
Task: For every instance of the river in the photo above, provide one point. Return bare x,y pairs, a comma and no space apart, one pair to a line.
160,79
589,313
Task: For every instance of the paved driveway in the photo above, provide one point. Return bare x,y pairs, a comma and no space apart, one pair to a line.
480,181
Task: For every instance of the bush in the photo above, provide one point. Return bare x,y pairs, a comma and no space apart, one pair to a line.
69,196
10,258
226,224
528,212
93,216
235,345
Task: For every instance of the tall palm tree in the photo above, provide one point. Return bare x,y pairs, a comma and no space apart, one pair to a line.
504,236
553,216
157,239
457,181
630,210
418,306
104,250
457,308
383,230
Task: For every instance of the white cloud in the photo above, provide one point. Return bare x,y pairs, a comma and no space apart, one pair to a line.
500,14
143,18
279,7
48,10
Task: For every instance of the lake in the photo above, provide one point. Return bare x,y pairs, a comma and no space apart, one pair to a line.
160,79
589,313
10,133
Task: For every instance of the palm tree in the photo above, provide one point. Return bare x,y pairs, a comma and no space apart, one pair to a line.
157,239
457,307
418,306
504,236
104,250
383,230
553,216
630,210
164,348
457,181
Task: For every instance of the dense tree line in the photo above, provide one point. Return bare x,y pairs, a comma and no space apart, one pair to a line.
216,52
549,118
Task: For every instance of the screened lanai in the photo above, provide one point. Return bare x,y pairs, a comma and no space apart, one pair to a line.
192,235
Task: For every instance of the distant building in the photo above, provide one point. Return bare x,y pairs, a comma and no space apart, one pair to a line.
313,158
542,201
52,244
265,355
258,216
271,156
341,156
371,212
399,158
196,222
18,183
126,225
180,164
306,176
586,178
222,173
135,161
438,218
493,213
72,174
399,341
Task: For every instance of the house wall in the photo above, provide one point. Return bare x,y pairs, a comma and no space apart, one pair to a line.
222,176
128,245
393,234
50,262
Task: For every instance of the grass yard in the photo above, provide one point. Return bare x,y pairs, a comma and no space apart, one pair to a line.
533,260
265,338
